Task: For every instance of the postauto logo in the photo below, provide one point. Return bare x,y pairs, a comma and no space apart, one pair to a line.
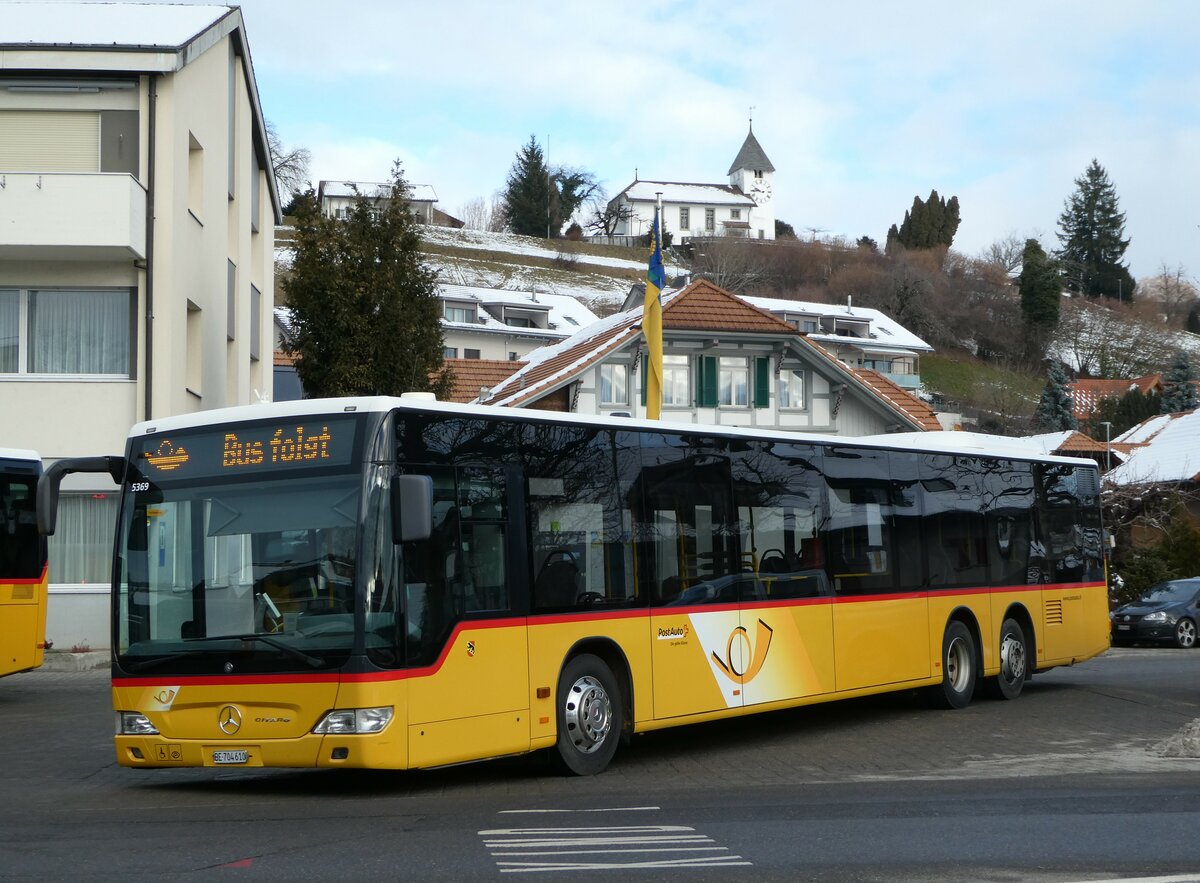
674,633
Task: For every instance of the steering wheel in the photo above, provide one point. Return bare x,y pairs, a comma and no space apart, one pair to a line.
589,598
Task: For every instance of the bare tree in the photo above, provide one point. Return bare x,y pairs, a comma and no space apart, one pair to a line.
1005,253
735,264
1111,341
291,166
1173,291
482,214
607,215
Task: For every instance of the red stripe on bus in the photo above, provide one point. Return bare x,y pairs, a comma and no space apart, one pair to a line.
506,622
27,582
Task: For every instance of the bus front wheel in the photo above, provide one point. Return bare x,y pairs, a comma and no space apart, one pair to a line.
590,715
958,669
1014,661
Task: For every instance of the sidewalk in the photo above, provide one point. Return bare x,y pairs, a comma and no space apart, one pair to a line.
65,660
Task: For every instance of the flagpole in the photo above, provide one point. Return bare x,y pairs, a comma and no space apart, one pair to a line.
652,317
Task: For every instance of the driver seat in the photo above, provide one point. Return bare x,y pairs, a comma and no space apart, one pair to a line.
557,585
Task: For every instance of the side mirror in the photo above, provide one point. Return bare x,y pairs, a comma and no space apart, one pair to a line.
47,489
412,508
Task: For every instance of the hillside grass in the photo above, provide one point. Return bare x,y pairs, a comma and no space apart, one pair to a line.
970,382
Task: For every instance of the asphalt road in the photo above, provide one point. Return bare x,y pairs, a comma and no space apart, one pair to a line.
1072,782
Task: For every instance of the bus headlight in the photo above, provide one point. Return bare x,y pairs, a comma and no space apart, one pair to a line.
134,723
358,721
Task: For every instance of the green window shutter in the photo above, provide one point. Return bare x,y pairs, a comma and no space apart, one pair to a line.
644,370
706,382
762,383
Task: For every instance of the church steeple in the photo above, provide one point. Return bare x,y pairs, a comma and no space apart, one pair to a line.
751,157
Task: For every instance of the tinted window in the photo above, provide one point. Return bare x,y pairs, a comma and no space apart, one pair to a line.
1009,499
858,538
953,498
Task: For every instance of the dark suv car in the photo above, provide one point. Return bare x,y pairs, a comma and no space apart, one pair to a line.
1167,612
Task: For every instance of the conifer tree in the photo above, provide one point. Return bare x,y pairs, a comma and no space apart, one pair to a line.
928,224
1055,410
1179,390
1092,232
1040,287
366,316
526,200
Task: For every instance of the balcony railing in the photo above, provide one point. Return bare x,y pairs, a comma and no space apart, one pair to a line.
72,215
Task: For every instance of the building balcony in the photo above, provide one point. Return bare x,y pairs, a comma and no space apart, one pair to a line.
904,381
72,216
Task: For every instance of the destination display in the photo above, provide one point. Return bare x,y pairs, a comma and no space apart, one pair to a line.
248,449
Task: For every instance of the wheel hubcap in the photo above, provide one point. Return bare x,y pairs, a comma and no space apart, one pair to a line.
958,665
1186,633
1012,659
588,714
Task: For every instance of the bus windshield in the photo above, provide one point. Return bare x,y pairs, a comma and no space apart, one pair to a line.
247,577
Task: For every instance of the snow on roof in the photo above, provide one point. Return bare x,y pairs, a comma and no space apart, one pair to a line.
106,25
886,331
370,189
1144,431
565,311
710,194
1171,453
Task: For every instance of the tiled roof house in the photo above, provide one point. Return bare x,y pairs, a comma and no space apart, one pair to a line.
725,362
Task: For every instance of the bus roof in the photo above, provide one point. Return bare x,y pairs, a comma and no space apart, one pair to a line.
946,442
19,454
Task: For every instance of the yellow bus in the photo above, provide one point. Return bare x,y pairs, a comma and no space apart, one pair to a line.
23,586
402,583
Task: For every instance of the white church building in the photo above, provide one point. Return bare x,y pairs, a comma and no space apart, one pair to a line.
743,207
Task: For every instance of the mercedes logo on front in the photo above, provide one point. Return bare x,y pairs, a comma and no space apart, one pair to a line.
229,720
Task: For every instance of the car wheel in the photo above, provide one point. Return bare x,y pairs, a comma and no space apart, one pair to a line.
1185,634
958,669
1014,660
590,715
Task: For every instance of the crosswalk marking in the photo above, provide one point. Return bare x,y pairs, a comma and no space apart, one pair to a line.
615,847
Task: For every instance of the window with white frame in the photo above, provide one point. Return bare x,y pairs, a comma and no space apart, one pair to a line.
66,331
614,384
735,214
685,218
675,381
733,382
459,313
710,219
791,388
450,352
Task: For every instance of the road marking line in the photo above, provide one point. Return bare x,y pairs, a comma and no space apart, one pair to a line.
594,841
650,849
1180,878
603,829
526,867
597,809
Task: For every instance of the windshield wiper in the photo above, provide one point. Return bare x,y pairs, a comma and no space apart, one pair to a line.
299,655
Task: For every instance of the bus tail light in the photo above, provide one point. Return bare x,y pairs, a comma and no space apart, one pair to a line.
357,721
134,723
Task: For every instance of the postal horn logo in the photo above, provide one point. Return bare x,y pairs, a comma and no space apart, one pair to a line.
167,457
755,651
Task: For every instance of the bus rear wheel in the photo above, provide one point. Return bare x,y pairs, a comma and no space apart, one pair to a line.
958,669
590,715
1014,662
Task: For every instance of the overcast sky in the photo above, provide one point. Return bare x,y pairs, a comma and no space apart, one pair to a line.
859,107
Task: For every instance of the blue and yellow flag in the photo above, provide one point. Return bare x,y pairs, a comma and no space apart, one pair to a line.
656,280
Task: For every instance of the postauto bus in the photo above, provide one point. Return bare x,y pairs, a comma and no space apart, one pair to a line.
396,583
23,574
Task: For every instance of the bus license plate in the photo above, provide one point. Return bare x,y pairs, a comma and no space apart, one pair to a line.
235,756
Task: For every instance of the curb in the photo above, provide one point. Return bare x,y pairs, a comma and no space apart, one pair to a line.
65,660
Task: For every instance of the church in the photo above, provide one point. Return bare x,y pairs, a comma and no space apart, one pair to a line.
743,207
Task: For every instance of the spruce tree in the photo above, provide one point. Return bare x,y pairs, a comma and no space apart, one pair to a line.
1092,232
366,316
1055,409
1179,388
526,203
1041,290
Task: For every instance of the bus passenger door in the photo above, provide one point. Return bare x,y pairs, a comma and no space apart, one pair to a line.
468,694
688,556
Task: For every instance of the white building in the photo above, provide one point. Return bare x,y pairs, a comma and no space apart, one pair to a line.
858,336
744,207
137,210
336,197
494,323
